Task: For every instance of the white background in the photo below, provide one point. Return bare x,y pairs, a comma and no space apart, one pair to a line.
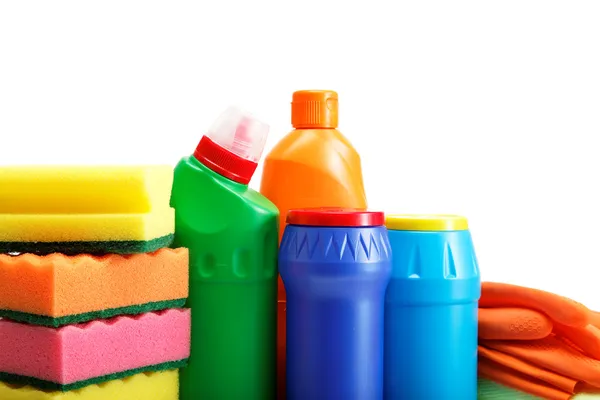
486,109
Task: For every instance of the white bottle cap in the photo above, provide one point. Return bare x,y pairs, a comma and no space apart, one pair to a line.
240,133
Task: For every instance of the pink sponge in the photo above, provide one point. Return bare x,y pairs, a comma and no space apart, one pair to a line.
77,355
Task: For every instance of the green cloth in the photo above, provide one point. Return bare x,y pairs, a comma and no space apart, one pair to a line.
489,390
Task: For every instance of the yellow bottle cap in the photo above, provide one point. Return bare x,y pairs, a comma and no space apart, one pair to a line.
432,223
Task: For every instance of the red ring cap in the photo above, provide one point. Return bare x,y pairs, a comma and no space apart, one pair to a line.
326,216
224,162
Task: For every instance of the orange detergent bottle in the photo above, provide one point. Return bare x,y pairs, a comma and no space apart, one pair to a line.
313,166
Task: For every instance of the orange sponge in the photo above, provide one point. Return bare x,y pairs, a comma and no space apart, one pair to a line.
56,289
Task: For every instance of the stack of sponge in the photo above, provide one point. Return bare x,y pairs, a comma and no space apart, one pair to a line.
91,295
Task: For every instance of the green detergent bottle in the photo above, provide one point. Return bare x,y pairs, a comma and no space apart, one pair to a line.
231,233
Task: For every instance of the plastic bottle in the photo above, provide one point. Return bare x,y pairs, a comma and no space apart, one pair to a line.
313,166
231,233
336,265
431,310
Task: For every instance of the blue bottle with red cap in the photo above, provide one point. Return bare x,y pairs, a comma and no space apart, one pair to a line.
335,265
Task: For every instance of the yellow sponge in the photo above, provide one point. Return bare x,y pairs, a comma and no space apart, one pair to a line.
145,386
86,209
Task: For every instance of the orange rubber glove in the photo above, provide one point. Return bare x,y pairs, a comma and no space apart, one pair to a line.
513,324
553,355
511,312
557,308
537,342
504,376
595,319
586,339
520,367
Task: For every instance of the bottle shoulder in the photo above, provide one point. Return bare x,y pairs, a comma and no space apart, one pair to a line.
314,168
201,191
302,142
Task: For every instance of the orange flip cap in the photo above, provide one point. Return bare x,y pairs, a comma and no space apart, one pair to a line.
314,109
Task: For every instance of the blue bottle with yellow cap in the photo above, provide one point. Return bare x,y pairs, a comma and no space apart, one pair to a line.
431,310
335,265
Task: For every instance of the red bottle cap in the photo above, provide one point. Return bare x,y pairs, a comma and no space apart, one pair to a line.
326,216
224,162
